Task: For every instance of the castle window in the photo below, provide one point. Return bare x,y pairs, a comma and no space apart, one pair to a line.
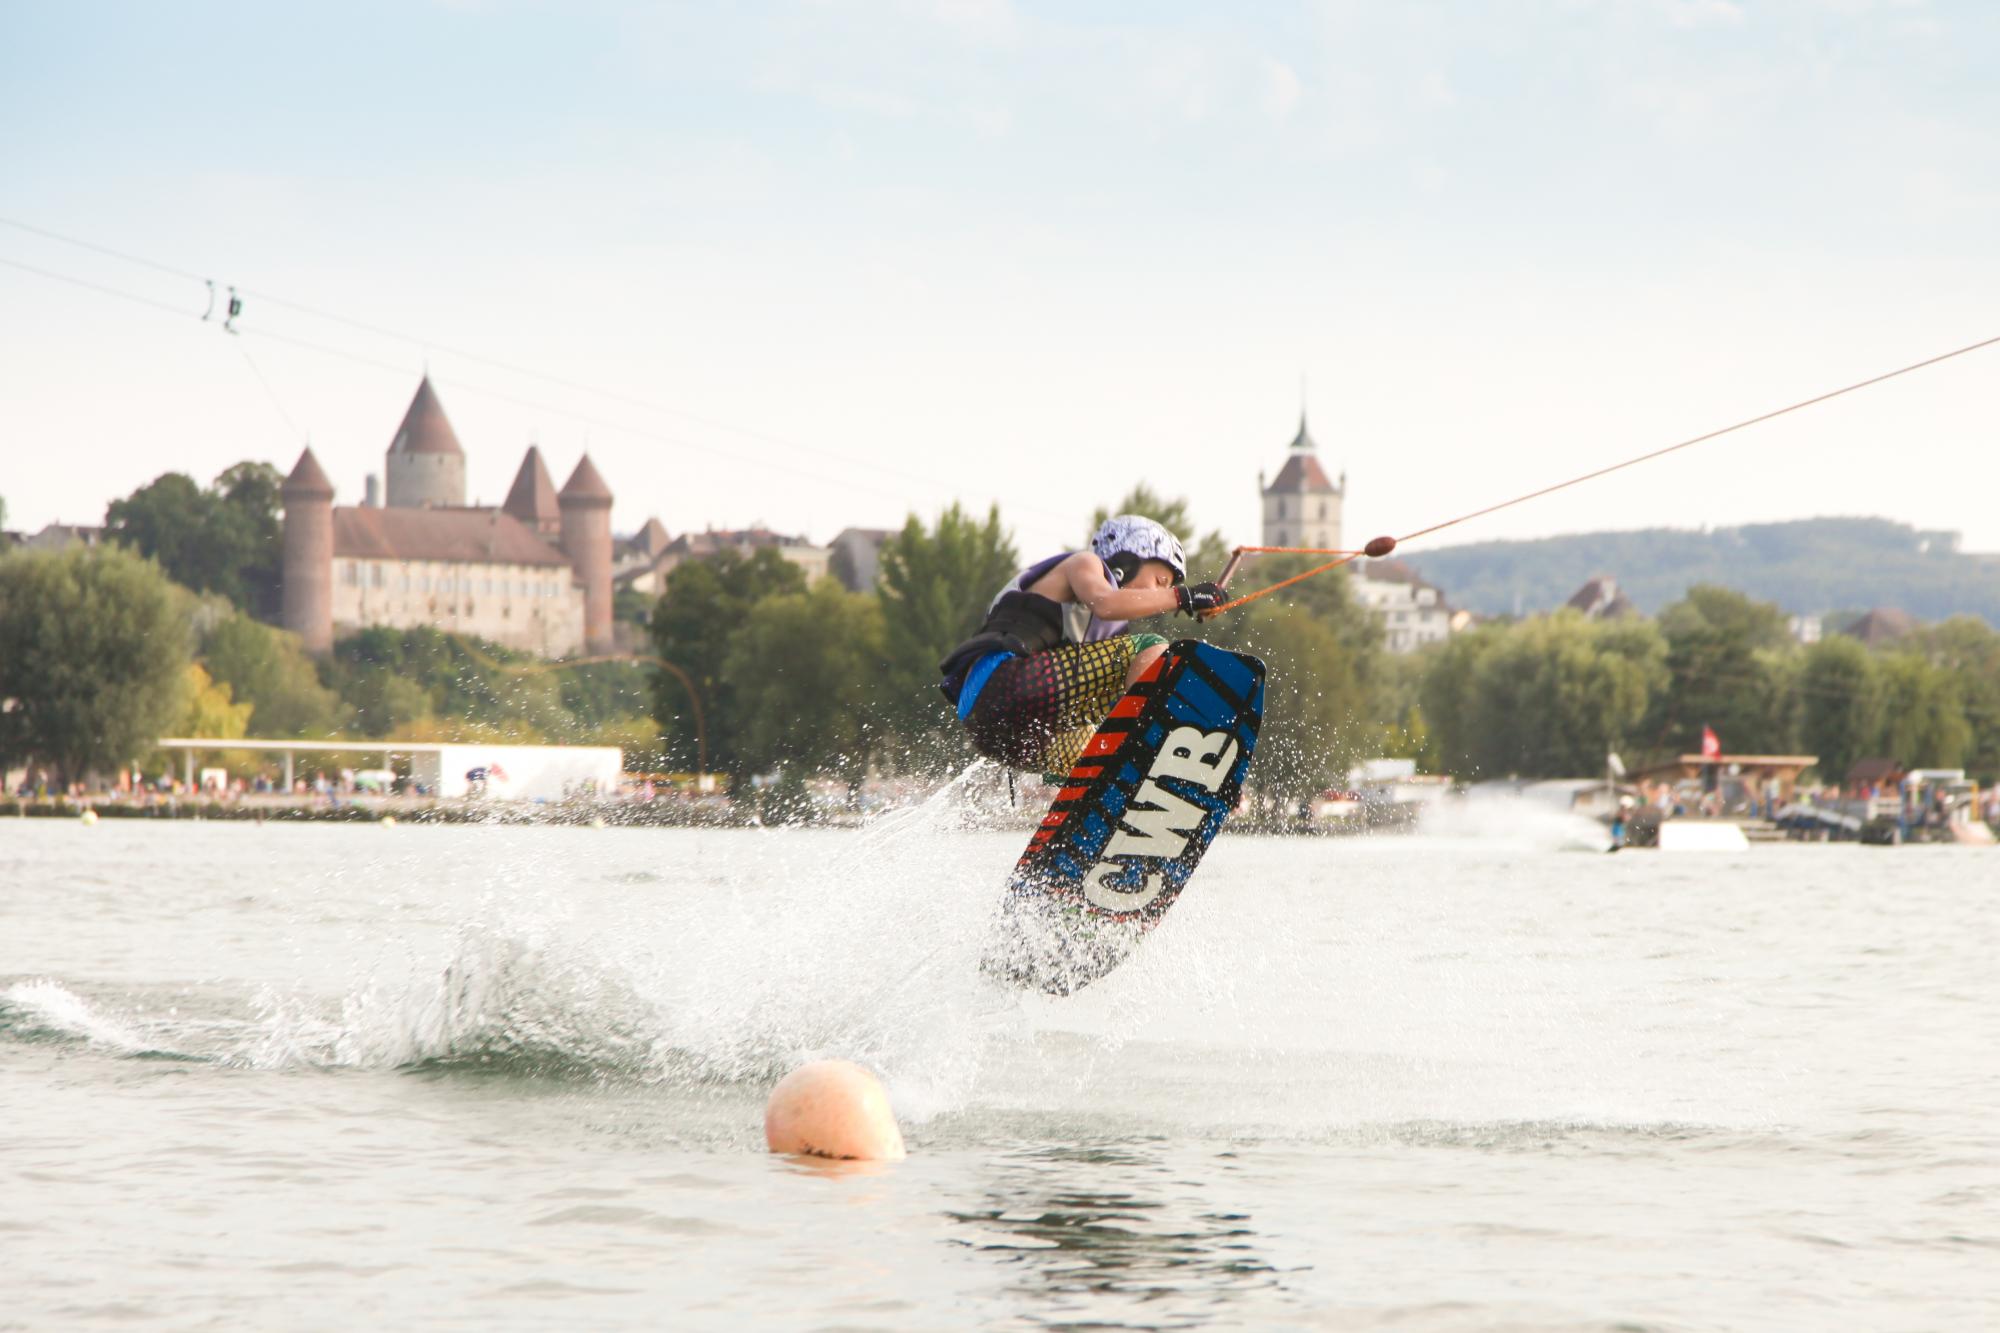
350,572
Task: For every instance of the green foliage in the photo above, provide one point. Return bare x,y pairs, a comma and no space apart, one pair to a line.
209,710
605,694
1316,706
808,668
630,605
1726,658
705,601
1923,725
92,657
224,539
392,678
1969,649
1548,697
1808,566
1840,705
268,669
1325,597
935,584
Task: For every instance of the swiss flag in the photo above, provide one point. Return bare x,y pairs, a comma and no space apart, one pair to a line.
1711,748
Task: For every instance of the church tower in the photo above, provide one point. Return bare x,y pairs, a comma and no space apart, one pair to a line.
1301,506
425,466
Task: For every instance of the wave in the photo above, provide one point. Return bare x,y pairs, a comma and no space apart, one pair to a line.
862,955
42,1010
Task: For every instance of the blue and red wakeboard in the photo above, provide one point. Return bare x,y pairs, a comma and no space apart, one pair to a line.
1146,798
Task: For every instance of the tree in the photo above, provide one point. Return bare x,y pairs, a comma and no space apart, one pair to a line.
1725,665
91,658
1969,649
700,609
224,539
1923,724
1315,704
1840,705
806,669
1548,697
606,694
390,678
209,711
268,669
935,584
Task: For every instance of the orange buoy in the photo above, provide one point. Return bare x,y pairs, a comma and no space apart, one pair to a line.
831,1108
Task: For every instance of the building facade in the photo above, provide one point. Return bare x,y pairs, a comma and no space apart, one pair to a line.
532,574
1413,613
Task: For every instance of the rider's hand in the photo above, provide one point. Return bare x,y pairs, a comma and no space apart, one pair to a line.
1198,599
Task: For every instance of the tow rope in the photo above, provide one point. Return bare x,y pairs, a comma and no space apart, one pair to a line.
1381,546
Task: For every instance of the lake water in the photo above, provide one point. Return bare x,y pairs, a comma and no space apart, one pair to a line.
419,1078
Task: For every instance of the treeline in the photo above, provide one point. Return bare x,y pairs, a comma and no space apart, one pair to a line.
799,680
102,651
1551,696
101,655
791,680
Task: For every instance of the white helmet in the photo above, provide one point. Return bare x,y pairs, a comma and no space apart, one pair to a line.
1137,538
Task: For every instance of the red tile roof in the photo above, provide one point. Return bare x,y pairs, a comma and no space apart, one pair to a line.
585,484
308,480
425,429
532,498
1301,475
478,536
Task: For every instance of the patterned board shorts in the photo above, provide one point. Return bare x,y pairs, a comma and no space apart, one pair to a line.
1036,713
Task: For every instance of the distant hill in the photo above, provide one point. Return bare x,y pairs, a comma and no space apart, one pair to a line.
1811,566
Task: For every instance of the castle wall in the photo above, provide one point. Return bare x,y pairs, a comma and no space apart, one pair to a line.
419,479
535,608
306,595
586,540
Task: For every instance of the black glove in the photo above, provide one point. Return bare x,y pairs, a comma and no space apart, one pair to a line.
1198,598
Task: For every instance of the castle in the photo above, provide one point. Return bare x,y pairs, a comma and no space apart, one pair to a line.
533,574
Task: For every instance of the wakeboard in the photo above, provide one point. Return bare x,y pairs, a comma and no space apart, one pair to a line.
1144,801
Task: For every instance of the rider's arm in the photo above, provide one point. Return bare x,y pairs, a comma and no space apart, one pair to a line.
1089,584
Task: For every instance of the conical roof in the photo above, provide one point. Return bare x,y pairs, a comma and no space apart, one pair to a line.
425,429
532,498
584,486
1301,474
308,480
652,539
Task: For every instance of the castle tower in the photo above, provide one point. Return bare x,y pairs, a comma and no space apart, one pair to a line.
425,466
308,554
532,497
585,503
1302,507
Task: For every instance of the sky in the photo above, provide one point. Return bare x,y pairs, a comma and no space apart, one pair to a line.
819,264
